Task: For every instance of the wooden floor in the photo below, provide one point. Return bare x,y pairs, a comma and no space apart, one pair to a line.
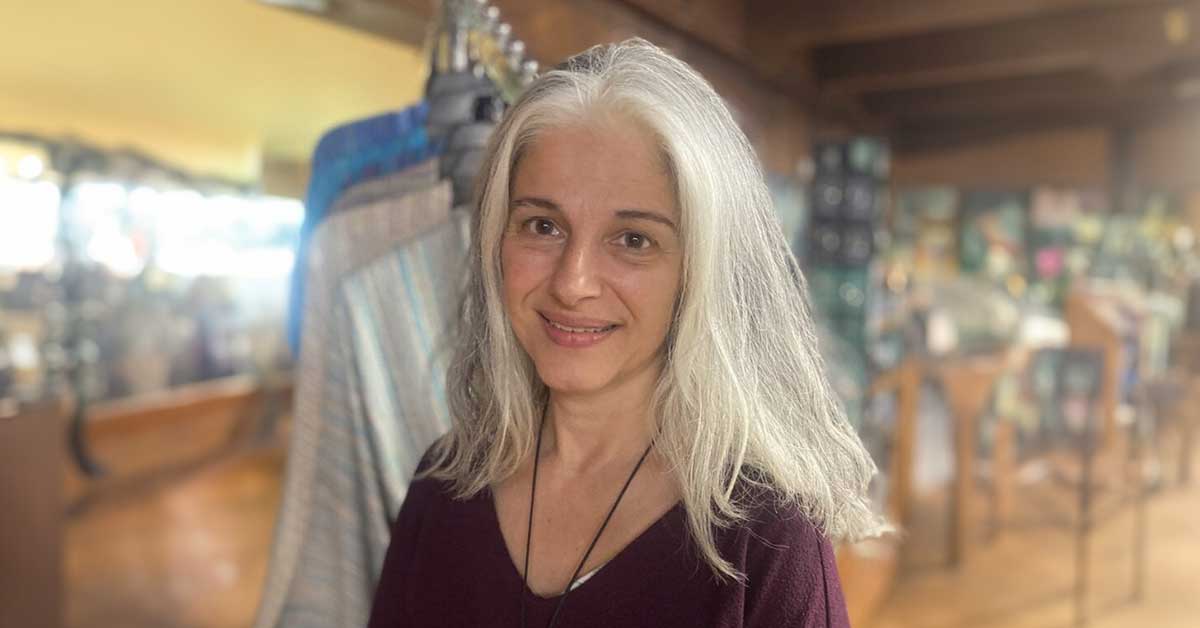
1024,578
188,551
191,551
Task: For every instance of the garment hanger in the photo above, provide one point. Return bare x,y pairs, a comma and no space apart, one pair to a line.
476,70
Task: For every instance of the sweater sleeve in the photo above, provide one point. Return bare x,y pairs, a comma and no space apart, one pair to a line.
792,576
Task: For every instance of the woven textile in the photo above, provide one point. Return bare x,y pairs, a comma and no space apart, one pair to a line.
323,450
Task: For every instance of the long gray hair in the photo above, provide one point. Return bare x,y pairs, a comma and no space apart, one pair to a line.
742,398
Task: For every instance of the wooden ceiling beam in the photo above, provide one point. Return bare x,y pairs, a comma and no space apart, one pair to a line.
1010,95
1080,89
941,133
802,24
915,139
1122,35
721,23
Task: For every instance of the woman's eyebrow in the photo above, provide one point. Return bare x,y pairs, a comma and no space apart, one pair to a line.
642,214
628,214
541,203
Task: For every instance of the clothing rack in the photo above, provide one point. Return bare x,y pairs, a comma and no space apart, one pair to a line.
476,68
375,291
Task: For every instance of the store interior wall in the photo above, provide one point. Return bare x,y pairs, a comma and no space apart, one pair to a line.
1072,157
1166,153
1164,157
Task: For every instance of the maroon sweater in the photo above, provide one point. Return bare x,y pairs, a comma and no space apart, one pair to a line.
448,567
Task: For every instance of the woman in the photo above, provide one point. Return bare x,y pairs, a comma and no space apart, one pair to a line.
643,433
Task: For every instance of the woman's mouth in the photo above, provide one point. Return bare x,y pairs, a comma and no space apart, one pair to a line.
576,335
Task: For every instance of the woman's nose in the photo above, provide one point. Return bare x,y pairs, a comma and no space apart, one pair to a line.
576,276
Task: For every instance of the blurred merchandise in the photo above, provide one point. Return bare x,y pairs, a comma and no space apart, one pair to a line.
1065,226
847,373
993,234
1192,315
791,204
848,195
137,279
965,316
924,230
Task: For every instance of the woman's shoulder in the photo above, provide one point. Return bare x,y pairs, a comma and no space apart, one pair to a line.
779,539
789,564
430,457
429,497
777,521
426,484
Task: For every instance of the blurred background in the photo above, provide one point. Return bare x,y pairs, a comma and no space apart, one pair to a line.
227,228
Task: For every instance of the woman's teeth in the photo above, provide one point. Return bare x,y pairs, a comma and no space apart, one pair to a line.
580,330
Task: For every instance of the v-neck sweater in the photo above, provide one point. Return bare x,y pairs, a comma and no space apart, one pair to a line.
447,566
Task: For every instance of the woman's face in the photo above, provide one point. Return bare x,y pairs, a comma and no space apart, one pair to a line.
591,256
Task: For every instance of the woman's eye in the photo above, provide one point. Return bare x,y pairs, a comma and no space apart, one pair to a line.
636,241
541,226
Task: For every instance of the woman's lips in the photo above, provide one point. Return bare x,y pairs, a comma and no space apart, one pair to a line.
576,335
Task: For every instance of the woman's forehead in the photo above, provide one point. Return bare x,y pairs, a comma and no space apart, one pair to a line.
588,164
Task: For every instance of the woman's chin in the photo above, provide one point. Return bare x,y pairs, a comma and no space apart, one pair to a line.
573,381
574,387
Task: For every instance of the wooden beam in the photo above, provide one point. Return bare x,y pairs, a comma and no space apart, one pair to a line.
719,22
1096,37
995,97
798,25
941,133
915,139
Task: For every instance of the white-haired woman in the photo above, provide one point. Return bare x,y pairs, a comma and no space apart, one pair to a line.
643,434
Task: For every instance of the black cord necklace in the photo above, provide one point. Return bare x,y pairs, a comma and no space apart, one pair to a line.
537,456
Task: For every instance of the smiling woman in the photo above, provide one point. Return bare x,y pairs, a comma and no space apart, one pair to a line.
642,424
584,269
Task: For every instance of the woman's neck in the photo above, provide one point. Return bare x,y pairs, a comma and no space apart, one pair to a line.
585,433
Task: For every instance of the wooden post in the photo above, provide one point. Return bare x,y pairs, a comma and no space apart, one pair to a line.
1004,458
1187,352
868,569
905,382
968,385
1187,427
1090,330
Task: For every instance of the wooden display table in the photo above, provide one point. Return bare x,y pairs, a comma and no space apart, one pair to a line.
868,569
32,449
150,436
1188,408
1094,324
968,384
904,381
868,572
